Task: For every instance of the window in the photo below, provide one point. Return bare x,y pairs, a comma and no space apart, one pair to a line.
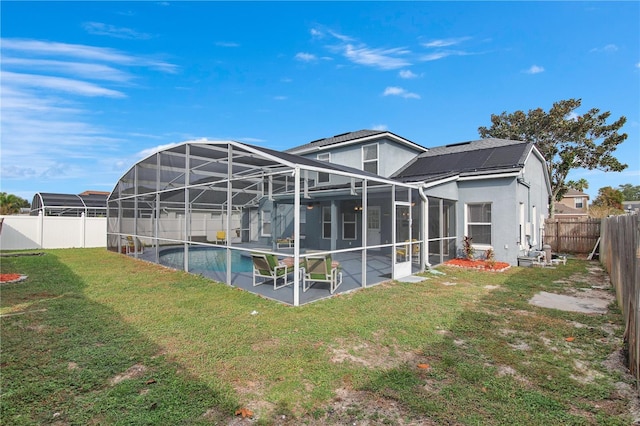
324,177
579,203
349,227
265,219
479,223
326,222
370,158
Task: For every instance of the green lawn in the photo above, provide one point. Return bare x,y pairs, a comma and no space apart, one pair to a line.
93,337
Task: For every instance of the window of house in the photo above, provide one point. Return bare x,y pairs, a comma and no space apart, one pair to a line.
349,228
265,220
326,222
324,177
479,223
370,158
579,203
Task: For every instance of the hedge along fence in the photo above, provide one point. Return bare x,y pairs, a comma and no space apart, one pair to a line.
566,235
620,256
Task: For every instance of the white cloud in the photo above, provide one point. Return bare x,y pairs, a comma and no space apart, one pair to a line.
99,28
341,37
149,151
280,98
379,127
59,84
82,52
227,44
445,42
306,57
49,126
609,48
251,140
80,69
407,74
534,69
386,59
443,54
316,33
399,91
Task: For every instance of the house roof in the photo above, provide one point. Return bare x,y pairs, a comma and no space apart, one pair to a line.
466,159
571,193
297,159
561,209
351,138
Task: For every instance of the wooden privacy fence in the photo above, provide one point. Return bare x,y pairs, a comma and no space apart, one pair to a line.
571,235
620,256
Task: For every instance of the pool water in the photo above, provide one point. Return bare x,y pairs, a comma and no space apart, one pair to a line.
206,259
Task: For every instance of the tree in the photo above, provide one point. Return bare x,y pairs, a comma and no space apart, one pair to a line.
579,185
609,197
566,140
630,192
11,204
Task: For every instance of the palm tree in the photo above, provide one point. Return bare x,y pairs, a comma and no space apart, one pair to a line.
11,204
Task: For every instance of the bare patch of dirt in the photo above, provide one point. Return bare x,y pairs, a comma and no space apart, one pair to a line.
351,407
585,373
370,355
588,302
505,370
132,372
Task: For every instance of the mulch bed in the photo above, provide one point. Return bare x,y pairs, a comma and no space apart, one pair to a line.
478,264
11,278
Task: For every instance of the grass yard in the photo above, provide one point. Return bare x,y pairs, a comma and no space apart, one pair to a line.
93,337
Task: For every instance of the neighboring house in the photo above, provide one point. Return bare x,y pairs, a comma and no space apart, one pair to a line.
88,203
574,204
631,206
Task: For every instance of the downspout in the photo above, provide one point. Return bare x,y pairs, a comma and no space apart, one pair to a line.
425,221
523,182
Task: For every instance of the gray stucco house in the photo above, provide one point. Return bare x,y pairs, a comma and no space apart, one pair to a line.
496,191
383,207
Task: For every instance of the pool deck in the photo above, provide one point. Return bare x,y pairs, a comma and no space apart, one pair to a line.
378,270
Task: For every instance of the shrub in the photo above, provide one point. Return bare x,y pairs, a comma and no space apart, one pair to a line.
467,247
490,257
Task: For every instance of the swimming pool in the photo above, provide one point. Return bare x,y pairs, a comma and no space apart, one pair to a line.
206,259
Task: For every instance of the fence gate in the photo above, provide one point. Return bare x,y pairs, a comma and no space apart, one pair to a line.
571,235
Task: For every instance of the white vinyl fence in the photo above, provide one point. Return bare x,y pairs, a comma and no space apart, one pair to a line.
48,232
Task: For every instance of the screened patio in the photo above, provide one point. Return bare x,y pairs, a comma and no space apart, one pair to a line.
69,205
207,206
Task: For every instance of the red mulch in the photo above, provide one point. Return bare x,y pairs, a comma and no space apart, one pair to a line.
9,278
478,264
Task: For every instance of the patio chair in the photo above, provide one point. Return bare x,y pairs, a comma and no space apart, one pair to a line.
320,268
133,245
268,267
221,237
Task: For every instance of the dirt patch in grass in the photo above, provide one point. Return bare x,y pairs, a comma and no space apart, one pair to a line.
371,355
588,302
352,407
132,372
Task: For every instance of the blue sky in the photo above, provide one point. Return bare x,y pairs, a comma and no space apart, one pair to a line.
89,88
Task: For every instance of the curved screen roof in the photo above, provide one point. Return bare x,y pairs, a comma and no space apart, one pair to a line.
68,204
